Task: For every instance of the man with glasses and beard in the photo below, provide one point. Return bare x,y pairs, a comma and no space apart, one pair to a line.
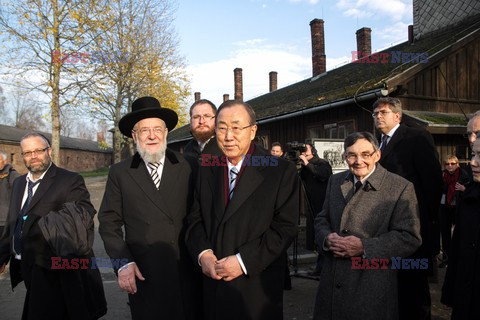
142,218
43,193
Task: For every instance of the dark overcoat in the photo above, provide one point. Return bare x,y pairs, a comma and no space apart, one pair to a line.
384,215
81,290
259,222
154,224
411,154
461,288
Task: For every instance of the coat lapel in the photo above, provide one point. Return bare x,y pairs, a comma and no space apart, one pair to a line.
249,181
397,136
215,181
347,187
139,174
41,193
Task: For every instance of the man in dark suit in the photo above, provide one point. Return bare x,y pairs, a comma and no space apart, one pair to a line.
149,195
410,153
244,217
314,173
202,127
51,294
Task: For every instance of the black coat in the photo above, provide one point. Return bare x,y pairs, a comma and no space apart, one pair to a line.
411,154
81,290
259,222
193,154
461,288
315,177
154,224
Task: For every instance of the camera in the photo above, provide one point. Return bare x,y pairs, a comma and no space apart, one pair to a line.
293,150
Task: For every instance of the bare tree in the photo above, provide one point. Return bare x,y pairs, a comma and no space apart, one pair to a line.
26,111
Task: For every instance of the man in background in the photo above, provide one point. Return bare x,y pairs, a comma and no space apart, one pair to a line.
7,176
410,153
314,173
276,149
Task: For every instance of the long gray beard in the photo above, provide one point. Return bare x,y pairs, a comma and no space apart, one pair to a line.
152,157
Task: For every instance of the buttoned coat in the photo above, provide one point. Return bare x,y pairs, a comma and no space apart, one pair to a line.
154,224
259,222
81,290
384,215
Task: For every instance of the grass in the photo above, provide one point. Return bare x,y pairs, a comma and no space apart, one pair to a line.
95,173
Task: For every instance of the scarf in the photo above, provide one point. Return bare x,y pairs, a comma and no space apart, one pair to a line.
450,180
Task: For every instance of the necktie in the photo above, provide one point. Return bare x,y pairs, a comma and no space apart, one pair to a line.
233,179
17,234
384,142
154,174
358,185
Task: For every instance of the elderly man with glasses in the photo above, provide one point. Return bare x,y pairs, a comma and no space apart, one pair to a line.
142,215
243,219
369,217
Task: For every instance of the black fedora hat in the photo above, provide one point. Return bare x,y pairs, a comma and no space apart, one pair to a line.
147,107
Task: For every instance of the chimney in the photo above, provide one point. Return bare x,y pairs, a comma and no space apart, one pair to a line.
226,97
410,34
237,72
273,80
364,42
318,47
197,96
100,137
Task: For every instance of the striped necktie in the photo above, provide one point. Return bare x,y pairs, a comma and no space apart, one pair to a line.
233,179
154,174
384,142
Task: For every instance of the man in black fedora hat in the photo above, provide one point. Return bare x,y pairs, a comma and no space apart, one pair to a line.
142,218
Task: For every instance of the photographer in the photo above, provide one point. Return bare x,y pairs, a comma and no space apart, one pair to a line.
314,173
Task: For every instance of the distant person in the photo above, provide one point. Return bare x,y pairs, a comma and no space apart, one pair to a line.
244,218
47,196
142,219
461,289
410,153
454,179
369,214
473,128
202,127
7,176
314,173
276,150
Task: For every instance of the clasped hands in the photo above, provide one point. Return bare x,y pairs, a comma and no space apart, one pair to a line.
344,247
225,269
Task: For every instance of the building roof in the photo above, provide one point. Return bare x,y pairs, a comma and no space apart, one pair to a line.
356,79
14,135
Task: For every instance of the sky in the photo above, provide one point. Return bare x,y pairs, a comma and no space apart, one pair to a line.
259,36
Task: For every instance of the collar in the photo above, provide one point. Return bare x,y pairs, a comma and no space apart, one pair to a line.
392,132
162,161
355,179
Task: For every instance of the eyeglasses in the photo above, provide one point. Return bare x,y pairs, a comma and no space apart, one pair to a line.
197,117
351,157
235,130
28,154
383,113
450,163
469,134
144,132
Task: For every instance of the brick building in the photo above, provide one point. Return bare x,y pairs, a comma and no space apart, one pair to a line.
75,154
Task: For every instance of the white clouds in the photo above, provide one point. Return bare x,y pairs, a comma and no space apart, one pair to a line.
388,9
216,78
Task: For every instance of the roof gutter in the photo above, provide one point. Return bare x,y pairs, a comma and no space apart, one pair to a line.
361,97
